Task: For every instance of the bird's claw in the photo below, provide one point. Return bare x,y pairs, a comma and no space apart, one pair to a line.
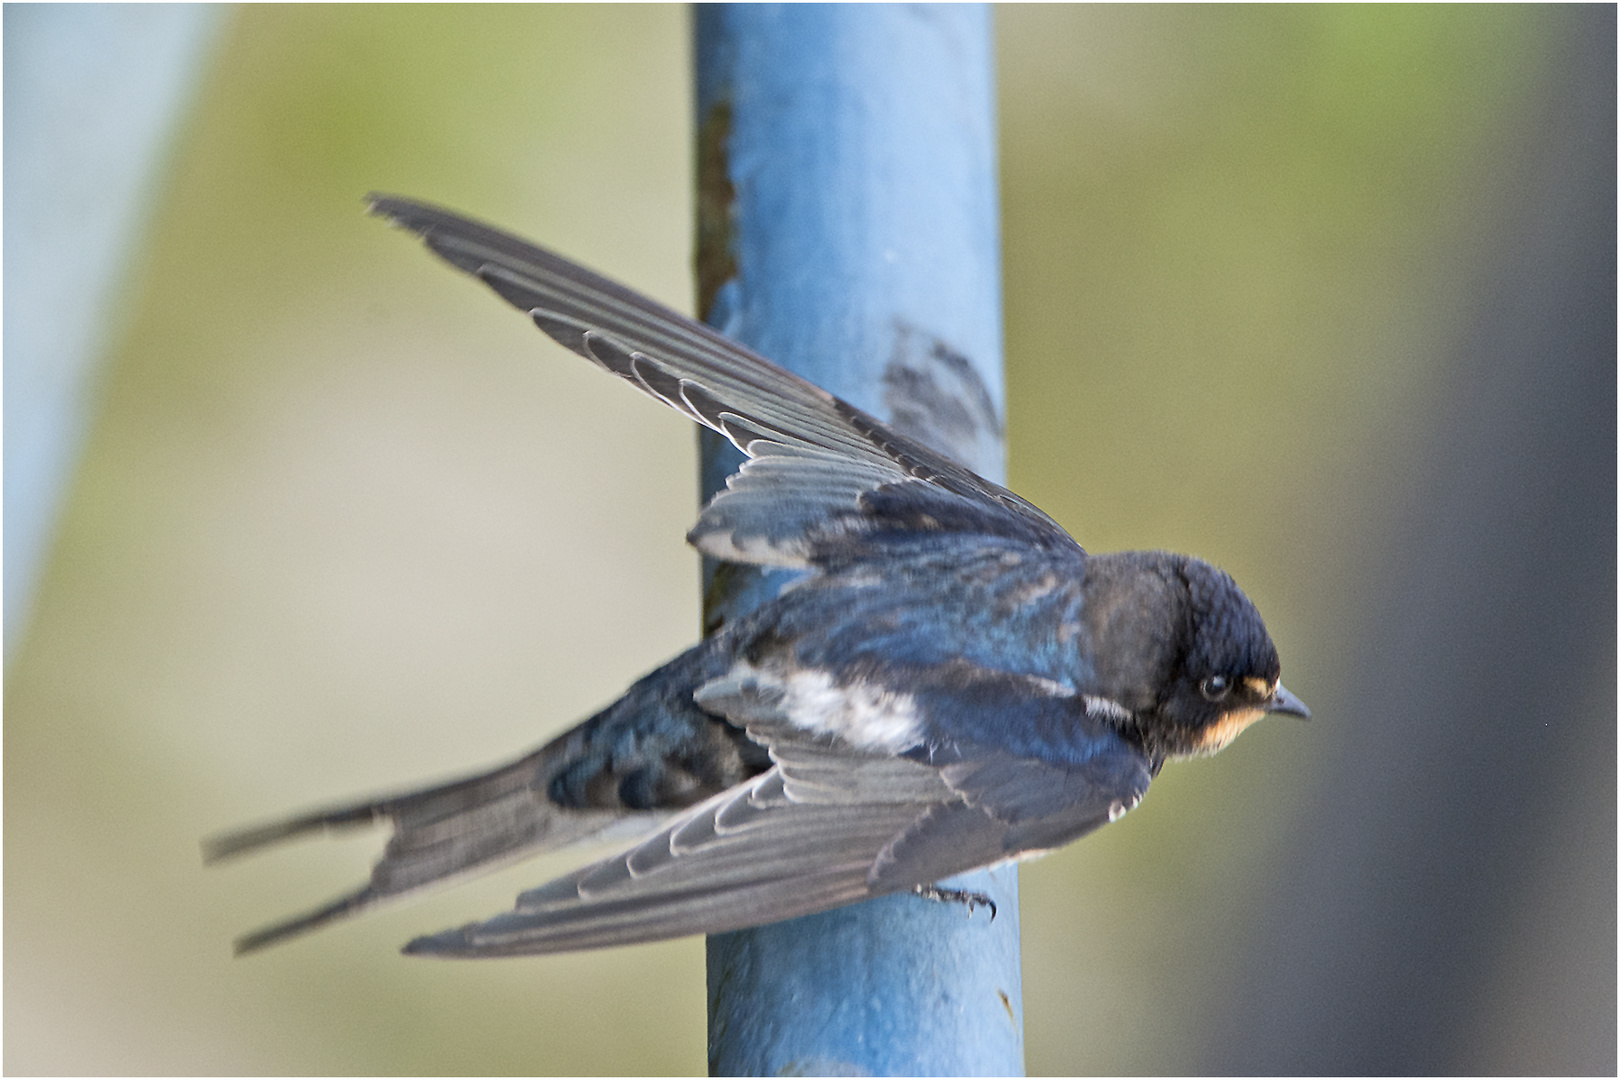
973,900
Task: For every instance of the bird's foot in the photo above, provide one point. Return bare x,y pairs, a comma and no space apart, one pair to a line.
973,900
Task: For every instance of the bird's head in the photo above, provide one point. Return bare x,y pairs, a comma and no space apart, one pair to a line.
1228,675
1182,651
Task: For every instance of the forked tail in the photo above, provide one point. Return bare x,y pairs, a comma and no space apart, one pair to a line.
651,752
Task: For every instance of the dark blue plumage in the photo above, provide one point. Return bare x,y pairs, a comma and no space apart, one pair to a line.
948,681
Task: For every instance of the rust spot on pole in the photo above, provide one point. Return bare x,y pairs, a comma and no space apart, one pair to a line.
716,259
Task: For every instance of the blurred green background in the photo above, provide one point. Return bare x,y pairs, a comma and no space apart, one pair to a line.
1325,295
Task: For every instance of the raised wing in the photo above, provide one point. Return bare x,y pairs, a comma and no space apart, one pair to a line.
821,470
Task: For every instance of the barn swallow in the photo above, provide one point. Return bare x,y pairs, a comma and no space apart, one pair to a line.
949,683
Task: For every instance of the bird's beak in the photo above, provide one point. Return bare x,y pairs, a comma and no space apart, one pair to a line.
1284,702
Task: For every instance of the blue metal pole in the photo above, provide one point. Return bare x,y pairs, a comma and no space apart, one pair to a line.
848,230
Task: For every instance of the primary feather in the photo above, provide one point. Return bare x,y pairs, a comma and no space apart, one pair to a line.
812,456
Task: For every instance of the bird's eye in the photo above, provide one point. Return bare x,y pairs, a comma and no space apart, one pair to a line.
1214,688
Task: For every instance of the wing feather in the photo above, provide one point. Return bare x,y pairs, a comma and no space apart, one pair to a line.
825,825
758,406
748,856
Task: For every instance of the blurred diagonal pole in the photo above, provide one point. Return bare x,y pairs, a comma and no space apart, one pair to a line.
848,229
93,96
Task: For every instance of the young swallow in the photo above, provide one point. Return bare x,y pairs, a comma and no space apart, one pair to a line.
951,682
